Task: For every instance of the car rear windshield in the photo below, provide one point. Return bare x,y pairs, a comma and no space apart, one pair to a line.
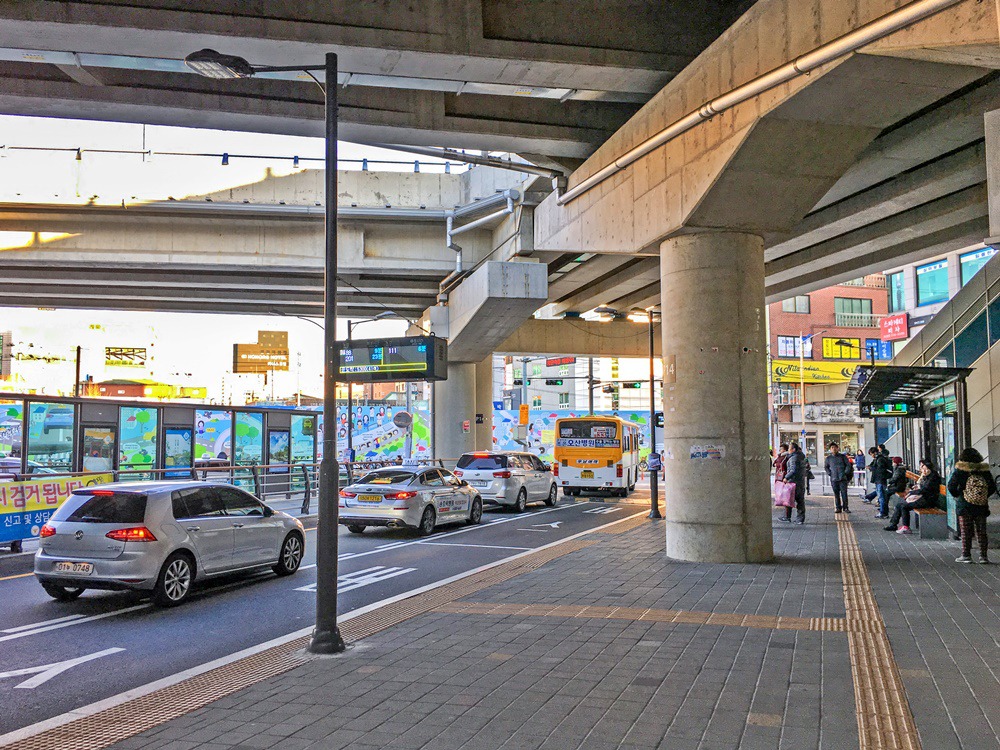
118,507
391,476
473,462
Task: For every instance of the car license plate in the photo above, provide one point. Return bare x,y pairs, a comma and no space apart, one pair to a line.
80,569
370,498
586,474
479,483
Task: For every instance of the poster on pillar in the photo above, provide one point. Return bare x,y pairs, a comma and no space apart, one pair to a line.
540,430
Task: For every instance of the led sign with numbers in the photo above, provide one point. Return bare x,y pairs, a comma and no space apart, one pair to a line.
894,409
393,360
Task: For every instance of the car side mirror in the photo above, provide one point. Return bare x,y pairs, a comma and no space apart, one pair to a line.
547,467
268,512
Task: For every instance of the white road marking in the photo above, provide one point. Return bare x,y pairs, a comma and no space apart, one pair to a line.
360,578
31,730
481,546
553,525
45,672
53,625
40,624
610,509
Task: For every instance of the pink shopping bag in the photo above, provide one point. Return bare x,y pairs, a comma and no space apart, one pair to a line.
784,495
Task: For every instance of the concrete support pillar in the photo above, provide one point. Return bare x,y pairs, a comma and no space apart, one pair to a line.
718,502
484,405
455,404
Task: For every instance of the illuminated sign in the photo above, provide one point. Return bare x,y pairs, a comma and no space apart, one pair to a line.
892,409
268,354
559,361
895,327
409,358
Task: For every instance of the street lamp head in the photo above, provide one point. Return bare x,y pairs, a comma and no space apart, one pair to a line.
607,314
386,314
212,64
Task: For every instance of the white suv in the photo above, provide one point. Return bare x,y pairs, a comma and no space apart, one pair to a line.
508,478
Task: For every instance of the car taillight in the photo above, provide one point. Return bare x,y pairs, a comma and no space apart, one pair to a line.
47,531
400,499
134,534
345,493
618,471
501,474
457,473
555,468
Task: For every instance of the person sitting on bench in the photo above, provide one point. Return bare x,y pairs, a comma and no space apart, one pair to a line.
924,495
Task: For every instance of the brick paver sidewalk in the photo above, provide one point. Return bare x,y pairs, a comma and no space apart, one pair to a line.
614,646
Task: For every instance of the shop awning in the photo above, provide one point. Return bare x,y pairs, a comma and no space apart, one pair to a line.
894,383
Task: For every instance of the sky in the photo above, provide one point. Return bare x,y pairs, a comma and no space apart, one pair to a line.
186,348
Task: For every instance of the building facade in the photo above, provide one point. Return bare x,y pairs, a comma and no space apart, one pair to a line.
815,343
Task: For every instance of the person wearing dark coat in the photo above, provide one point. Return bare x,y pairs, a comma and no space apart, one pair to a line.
879,471
896,484
838,468
972,484
795,473
924,495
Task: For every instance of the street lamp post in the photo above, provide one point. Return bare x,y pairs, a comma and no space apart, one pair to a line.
802,385
649,316
326,638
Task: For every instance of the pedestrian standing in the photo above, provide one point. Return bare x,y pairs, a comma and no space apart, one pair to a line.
971,485
879,471
796,469
838,469
859,467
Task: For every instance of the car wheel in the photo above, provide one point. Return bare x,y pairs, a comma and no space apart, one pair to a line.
174,582
476,514
63,593
290,557
553,494
427,521
522,501
355,528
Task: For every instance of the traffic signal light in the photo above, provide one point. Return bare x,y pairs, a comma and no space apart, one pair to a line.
659,419
553,382
519,381
632,385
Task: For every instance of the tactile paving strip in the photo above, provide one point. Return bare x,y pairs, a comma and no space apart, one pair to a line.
885,721
133,717
688,617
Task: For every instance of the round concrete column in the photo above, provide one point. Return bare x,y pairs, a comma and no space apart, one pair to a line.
454,405
718,502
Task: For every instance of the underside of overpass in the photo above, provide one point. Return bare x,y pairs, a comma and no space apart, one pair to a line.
867,157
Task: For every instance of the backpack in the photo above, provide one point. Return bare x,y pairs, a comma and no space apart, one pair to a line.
976,490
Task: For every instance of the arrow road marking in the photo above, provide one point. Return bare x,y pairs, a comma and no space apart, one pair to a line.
366,577
45,672
554,524
602,510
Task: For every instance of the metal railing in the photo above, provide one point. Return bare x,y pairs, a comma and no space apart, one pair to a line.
265,481
857,320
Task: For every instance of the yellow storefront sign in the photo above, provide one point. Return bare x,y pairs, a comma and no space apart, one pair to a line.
787,371
26,506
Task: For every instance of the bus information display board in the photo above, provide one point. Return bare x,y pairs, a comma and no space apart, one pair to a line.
408,358
894,409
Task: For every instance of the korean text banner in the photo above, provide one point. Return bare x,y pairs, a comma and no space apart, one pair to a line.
787,371
26,506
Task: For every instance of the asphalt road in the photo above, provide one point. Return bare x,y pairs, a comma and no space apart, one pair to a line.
123,642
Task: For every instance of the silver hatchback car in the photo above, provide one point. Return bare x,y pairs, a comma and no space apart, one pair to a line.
161,537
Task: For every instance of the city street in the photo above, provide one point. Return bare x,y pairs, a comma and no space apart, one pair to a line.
57,657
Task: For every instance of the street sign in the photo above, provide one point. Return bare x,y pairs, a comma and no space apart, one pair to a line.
466,426
402,419
523,414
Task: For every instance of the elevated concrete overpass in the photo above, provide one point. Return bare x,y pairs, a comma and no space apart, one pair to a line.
870,157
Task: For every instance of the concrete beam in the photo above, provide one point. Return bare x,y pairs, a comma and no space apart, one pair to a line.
489,304
631,277
580,338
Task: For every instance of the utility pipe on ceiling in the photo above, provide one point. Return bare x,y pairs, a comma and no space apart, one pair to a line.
800,66
558,177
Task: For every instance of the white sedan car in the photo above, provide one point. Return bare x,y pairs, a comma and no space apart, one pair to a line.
408,497
509,478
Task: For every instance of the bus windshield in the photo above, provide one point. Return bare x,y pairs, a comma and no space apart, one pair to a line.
587,433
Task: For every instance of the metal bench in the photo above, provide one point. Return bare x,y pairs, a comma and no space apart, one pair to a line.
932,523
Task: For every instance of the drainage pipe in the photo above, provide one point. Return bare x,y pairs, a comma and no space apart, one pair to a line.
486,161
803,65
506,197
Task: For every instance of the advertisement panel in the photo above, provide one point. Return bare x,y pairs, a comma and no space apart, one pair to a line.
895,327
26,506
124,356
787,371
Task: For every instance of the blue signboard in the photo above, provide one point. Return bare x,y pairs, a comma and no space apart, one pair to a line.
883,349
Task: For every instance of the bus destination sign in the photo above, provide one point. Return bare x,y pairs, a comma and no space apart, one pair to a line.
408,358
